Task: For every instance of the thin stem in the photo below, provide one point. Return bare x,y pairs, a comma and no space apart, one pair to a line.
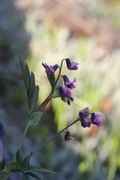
45,102
23,136
55,136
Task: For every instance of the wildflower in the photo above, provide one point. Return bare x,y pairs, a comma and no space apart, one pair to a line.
84,113
86,120
65,92
50,69
96,119
71,65
67,83
67,136
85,123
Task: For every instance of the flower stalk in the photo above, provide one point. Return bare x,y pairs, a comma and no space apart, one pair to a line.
55,136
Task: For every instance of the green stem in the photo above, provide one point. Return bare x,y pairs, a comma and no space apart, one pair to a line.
55,136
23,136
44,103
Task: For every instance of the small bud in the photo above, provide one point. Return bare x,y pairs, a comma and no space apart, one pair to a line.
67,136
71,65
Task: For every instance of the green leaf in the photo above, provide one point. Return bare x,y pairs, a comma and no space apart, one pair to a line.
25,176
5,176
56,94
39,169
33,175
25,74
60,83
18,159
25,163
31,89
9,166
31,85
34,98
35,118
51,79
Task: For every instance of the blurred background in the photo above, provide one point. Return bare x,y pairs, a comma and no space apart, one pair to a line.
87,32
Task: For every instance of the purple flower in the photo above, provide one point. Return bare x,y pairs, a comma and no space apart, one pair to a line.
84,113
85,123
67,136
71,65
67,83
50,69
97,119
65,91
87,120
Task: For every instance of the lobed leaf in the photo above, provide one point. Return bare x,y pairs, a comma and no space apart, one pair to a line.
31,89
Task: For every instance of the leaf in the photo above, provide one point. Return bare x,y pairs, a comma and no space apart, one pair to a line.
35,118
25,176
9,166
5,176
59,84
34,98
31,89
33,175
25,163
31,85
51,79
56,93
39,169
18,158
25,74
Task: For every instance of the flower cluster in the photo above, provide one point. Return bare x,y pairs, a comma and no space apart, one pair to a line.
87,119
64,90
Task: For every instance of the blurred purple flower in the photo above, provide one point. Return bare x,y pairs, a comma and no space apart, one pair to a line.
86,120
84,113
65,91
97,119
67,83
71,65
50,69
85,123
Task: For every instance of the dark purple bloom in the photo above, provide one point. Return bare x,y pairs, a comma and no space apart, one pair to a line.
50,69
86,120
67,136
96,119
67,83
65,92
71,65
84,113
85,123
